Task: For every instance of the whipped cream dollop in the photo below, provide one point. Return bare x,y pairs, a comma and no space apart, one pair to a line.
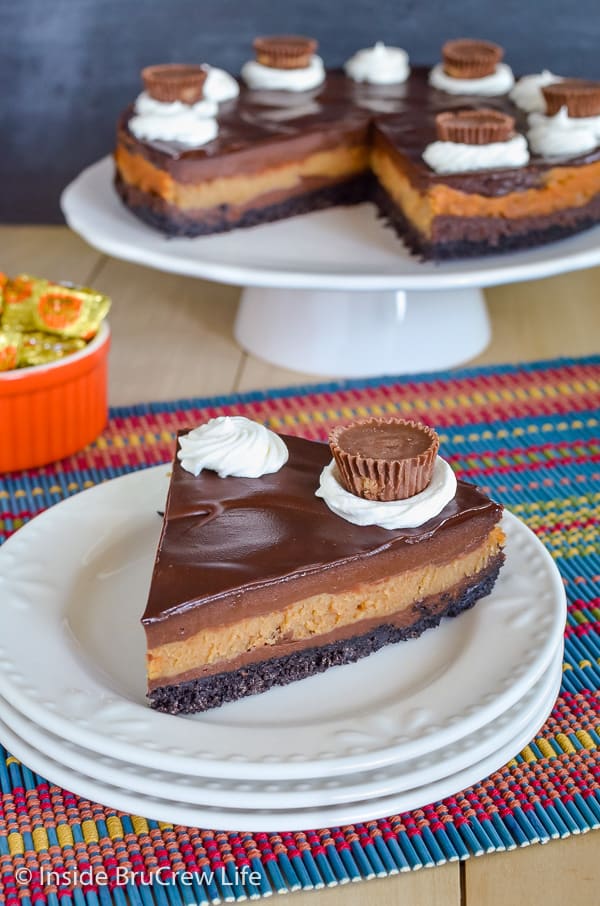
499,82
527,93
232,445
389,514
456,157
378,65
267,78
562,135
220,86
189,124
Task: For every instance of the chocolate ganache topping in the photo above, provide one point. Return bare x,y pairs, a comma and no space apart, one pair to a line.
245,542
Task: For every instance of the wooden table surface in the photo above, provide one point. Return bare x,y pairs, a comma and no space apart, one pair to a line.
172,337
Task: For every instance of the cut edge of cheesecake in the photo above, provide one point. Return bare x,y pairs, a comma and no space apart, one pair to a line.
200,689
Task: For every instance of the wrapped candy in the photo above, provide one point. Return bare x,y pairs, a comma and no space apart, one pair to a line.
41,322
18,350
10,345
17,295
33,304
40,348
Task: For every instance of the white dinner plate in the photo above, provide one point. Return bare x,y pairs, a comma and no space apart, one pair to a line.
73,585
292,794
268,820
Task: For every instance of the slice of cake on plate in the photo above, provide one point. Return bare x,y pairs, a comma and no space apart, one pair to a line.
277,561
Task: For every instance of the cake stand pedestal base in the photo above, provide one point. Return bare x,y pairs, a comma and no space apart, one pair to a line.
362,334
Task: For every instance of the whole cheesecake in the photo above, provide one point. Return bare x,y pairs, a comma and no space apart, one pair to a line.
281,557
449,188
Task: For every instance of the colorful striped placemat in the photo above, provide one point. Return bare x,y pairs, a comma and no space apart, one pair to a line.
530,436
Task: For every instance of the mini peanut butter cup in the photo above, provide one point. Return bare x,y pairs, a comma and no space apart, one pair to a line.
284,51
384,458
170,82
466,58
580,97
474,127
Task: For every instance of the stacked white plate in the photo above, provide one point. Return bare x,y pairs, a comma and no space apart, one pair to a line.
405,727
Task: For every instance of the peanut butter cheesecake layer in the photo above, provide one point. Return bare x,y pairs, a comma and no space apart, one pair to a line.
275,153
259,582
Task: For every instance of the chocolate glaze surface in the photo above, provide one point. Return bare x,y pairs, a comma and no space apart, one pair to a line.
262,128
235,546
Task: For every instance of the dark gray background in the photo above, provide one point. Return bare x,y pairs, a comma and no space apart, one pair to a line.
67,67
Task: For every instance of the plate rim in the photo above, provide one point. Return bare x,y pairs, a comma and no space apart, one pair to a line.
352,793
269,821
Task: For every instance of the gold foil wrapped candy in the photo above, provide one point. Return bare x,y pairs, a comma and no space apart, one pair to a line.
41,321
63,309
40,348
10,344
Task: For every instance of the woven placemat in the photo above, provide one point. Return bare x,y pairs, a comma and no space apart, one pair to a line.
529,435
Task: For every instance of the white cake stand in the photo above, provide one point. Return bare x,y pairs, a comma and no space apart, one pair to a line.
331,293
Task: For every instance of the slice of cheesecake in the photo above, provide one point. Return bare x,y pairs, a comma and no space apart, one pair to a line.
260,582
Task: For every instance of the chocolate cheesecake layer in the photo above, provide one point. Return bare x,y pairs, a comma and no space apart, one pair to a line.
237,547
203,693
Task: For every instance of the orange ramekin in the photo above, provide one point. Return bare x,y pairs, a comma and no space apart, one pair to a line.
51,411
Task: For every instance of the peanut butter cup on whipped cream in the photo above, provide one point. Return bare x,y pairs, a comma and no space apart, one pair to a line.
467,58
580,97
264,576
284,51
474,127
384,458
169,82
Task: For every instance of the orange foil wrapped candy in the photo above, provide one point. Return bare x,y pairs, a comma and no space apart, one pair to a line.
39,348
17,296
10,345
32,304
